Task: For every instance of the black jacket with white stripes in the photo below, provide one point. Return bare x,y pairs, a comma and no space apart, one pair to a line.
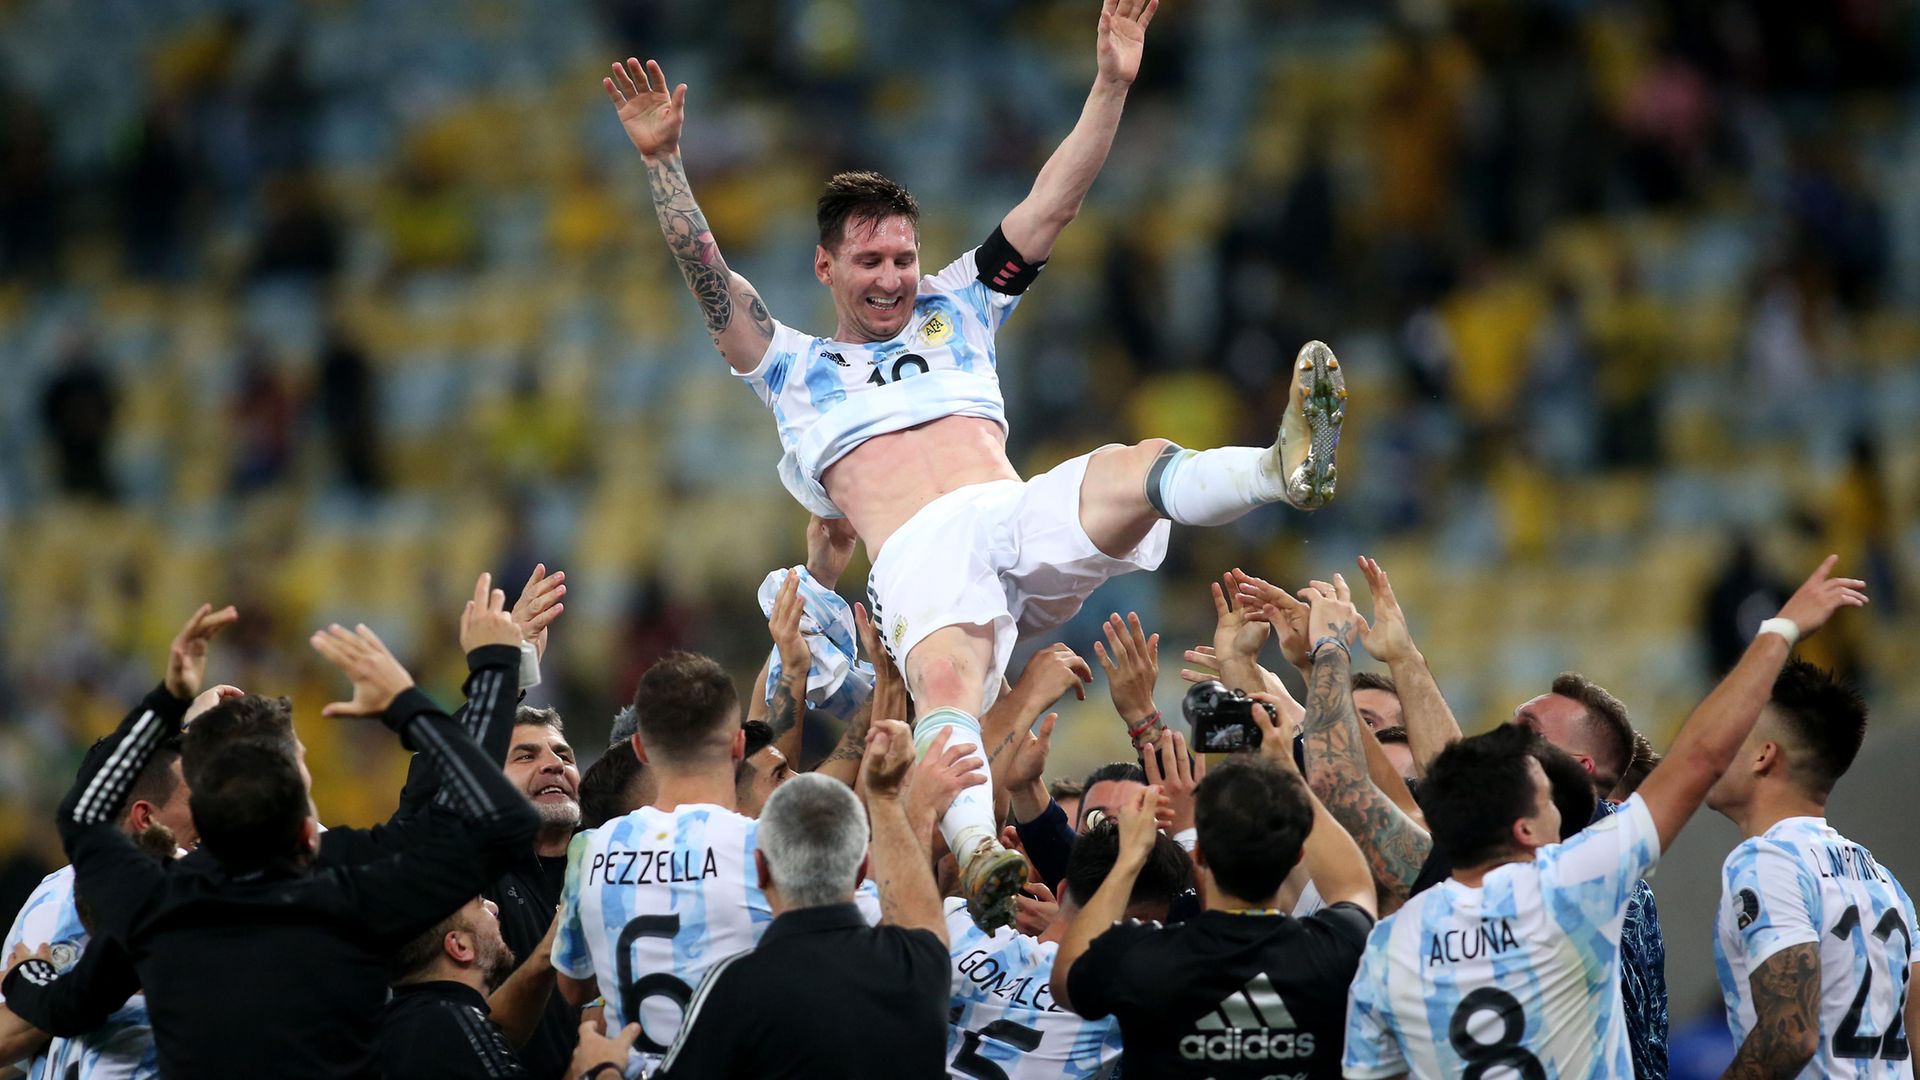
283,972
442,1031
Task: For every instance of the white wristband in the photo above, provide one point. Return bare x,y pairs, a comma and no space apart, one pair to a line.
1187,838
529,666
1786,628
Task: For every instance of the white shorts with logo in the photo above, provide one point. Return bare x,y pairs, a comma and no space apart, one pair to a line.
1008,554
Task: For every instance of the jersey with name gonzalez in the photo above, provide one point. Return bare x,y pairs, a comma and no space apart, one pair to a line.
1522,973
1003,1019
830,396
1801,883
120,1049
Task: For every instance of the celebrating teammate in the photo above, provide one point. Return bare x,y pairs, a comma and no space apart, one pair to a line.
895,422
1814,944
1514,962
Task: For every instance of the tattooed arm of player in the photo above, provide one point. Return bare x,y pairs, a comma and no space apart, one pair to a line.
1786,1007
652,114
1337,772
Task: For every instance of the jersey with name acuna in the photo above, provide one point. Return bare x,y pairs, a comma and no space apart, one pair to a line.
120,1049
1799,883
830,396
1004,1020
654,899
1522,973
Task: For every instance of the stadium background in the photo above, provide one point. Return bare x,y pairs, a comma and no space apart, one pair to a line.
320,308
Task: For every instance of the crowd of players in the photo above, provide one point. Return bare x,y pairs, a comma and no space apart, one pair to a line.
695,906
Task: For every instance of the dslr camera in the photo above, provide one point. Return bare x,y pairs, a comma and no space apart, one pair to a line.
1222,719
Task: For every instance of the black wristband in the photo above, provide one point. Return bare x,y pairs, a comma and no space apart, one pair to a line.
1001,268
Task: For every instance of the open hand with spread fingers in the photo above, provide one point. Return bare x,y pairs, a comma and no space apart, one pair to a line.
539,605
651,113
187,656
486,620
365,660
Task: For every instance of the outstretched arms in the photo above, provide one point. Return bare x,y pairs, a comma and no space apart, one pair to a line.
1035,224
652,114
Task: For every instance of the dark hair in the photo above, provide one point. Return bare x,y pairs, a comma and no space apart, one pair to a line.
157,780
1252,816
1113,770
243,718
1065,789
545,717
1827,720
420,953
1572,788
615,785
1476,789
249,804
1606,721
1645,760
1395,734
759,737
1373,680
857,197
1168,871
687,708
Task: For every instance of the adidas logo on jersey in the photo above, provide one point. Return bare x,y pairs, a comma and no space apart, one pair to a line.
835,357
1251,1024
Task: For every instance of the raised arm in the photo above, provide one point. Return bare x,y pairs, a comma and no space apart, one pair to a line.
1719,724
652,116
1035,224
1334,862
1137,823
787,712
1430,723
1786,1016
1336,758
908,896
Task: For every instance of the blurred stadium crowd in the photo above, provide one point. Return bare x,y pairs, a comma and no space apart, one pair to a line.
318,308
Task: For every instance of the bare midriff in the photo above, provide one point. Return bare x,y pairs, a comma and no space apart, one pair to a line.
888,478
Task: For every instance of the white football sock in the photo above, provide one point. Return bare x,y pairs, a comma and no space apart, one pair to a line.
1213,487
968,823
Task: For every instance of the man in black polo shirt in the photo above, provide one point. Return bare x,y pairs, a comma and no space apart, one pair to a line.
1242,990
437,1026
881,991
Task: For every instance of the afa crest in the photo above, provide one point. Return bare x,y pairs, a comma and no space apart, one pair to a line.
937,329
899,631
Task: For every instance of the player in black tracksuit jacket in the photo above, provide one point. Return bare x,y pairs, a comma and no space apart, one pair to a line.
282,970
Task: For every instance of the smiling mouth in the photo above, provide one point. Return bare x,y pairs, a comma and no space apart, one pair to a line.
553,789
890,303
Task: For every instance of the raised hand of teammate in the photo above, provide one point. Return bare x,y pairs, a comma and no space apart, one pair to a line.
1131,659
1289,616
830,544
784,627
539,605
365,660
650,112
1139,816
1206,668
1122,38
1387,638
485,620
888,761
1332,616
1034,909
1022,759
1052,672
1279,723
889,696
1817,598
187,655
1178,777
208,698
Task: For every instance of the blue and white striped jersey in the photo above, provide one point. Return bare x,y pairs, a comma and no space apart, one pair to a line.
1004,1021
830,396
1798,883
1521,973
122,1048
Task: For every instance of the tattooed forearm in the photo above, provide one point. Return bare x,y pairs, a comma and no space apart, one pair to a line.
1786,1008
853,742
1395,847
789,705
692,244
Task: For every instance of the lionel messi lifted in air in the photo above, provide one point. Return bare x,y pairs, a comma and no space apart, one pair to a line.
895,422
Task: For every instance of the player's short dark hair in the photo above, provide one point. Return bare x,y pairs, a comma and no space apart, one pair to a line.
615,785
426,947
543,716
1395,734
1826,719
1373,680
687,708
1607,723
1168,871
1572,788
251,717
249,804
861,197
1476,789
1645,760
1113,770
157,781
1061,790
1252,817
759,737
